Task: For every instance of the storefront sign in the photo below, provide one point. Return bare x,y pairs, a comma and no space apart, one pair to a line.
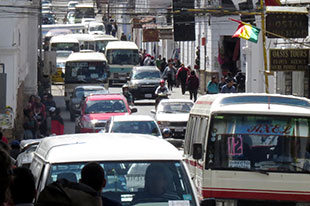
165,34
289,59
150,35
289,25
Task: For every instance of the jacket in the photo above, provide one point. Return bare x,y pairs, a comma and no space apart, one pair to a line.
192,83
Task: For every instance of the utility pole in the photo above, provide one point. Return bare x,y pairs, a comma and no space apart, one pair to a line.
264,46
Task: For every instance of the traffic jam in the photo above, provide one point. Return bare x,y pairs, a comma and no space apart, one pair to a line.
120,124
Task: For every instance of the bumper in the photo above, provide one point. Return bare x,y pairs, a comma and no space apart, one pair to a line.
143,93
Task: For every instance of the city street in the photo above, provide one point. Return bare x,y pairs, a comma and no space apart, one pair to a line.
144,106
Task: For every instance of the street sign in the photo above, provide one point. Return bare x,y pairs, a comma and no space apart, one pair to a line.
289,25
289,59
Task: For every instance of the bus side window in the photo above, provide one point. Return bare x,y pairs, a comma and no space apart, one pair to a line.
195,134
190,143
188,135
202,133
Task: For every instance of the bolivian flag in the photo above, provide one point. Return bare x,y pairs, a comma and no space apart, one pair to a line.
246,31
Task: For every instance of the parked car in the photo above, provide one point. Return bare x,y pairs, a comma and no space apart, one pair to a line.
97,109
143,82
27,148
138,124
173,114
134,164
80,93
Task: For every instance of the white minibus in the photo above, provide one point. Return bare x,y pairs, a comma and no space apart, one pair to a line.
86,41
139,169
122,56
101,41
64,42
250,149
85,68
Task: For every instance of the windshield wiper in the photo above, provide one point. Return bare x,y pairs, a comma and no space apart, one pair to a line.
294,165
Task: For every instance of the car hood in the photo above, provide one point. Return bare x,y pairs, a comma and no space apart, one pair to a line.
172,117
146,81
102,116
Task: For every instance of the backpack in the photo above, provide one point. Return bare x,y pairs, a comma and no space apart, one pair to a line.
65,193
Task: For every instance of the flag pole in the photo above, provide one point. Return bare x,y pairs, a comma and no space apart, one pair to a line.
264,45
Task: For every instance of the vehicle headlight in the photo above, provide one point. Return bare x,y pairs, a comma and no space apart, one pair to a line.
89,124
134,86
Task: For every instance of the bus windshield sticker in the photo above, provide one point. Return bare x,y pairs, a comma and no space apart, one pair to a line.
74,71
178,203
235,146
92,68
274,128
246,164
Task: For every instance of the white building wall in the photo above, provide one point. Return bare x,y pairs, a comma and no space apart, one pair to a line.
18,47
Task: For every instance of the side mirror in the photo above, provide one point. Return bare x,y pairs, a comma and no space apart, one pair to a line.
134,110
153,111
208,202
197,152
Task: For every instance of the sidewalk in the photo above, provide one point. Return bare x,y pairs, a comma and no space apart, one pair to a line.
177,94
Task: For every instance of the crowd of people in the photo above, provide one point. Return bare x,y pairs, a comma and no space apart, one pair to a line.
42,117
174,73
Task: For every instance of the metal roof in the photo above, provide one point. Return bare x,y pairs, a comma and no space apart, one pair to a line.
105,147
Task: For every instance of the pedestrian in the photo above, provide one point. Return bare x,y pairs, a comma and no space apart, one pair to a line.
222,83
5,175
163,65
22,188
229,86
240,80
147,60
3,138
30,125
213,86
123,37
193,85
15,149
181,76
169,74
40,117
114,29
92,175
158,61
57,123
48,102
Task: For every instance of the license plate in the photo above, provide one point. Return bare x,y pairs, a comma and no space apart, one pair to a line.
178,129
148,95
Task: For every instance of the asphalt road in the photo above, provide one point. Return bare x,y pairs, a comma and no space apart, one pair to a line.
143,106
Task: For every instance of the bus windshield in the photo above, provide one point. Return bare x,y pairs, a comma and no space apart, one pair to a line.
84,12
123,56
85,72
253,142
65,46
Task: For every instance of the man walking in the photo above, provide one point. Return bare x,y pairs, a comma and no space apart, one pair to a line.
181,76
193,85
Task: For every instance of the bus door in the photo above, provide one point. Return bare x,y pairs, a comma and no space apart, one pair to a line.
197,130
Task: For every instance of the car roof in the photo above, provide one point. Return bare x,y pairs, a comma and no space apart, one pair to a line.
89,87
96,97
123,118
105,147
146,68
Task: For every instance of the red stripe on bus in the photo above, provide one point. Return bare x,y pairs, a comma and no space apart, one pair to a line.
204,102
230,193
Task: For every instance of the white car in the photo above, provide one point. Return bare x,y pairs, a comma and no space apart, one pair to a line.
173,114
86,21
137,124
120,155
28,147
96,28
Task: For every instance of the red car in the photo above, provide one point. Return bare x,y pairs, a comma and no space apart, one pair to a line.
97,109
